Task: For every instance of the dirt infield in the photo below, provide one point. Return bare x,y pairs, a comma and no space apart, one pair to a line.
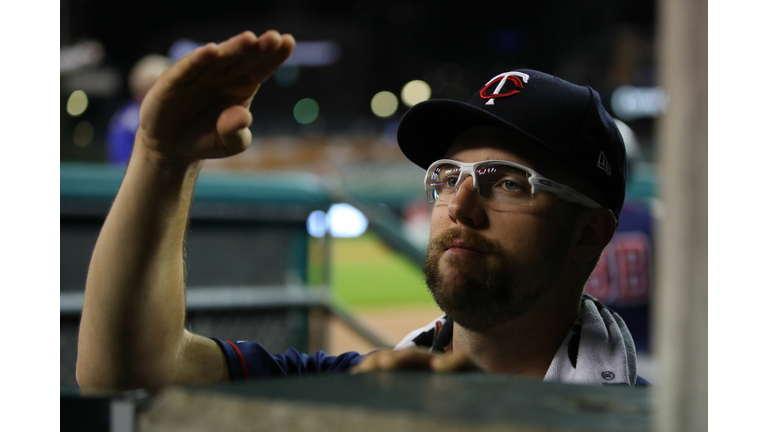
391,324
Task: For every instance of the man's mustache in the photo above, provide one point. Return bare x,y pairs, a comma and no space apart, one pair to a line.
470,239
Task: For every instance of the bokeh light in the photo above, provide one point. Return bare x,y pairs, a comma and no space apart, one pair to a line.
83,134
384,104
77,103
316,224
306,111
414,92
287,75
345,220
630,103
342,220
182,47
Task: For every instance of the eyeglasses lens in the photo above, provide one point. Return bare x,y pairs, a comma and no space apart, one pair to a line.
500,186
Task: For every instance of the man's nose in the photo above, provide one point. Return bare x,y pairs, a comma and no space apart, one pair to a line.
467,207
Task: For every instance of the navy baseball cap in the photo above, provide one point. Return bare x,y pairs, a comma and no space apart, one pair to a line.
565,119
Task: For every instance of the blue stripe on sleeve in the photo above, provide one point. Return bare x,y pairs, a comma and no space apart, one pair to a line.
260,363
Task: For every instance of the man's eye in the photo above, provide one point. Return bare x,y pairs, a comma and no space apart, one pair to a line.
510,185
451,181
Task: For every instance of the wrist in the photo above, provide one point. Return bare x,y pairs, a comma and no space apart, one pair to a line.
167,183
147,156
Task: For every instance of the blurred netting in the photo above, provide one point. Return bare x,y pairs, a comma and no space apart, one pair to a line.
247,250
277,330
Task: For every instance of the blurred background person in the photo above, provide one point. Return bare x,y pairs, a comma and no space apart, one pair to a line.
624,276
125,122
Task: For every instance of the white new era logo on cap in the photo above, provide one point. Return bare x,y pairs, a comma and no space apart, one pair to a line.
602,163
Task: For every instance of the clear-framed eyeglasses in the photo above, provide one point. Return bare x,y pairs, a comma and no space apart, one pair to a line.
502,185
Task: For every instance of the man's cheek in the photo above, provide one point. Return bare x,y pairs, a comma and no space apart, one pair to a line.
440,219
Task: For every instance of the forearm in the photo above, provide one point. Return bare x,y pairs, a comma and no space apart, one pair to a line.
132,325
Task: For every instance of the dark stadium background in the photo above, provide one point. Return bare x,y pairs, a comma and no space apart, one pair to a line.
454,46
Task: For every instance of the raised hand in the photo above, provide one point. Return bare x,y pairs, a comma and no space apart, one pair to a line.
198,109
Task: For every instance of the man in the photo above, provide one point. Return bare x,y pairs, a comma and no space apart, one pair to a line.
509,252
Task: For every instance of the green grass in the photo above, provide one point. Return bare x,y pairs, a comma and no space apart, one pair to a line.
365,273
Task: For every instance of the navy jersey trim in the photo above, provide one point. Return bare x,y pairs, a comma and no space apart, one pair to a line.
251,360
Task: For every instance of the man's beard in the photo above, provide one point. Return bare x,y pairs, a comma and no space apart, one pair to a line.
489,290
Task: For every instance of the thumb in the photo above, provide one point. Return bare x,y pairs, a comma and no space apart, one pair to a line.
232,127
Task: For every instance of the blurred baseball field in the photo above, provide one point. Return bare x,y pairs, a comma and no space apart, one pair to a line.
366,274
383,290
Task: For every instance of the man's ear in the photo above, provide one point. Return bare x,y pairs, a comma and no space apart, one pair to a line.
594,230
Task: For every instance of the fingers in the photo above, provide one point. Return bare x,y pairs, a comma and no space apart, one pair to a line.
245,52
455,362
190,67
261,60
236,48
280,46
243,59
282,51
238,43
416,358
412,358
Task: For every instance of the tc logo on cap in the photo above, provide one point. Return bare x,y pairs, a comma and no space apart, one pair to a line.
517,78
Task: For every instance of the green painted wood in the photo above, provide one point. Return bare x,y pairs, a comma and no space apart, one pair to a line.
80,181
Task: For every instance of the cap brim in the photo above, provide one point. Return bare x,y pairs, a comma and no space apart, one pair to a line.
428,129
